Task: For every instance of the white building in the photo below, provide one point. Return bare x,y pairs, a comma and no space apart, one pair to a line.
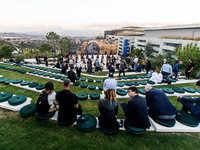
153,35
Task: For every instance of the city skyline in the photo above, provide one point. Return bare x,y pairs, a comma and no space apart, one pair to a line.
90,18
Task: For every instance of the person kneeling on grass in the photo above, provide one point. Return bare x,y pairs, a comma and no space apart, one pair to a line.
191,104
68,104
159,105
108,108
136,110
47,99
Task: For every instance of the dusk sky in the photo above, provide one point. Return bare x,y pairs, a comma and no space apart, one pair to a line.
92,17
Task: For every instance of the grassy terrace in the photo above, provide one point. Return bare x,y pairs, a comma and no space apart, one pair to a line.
18,133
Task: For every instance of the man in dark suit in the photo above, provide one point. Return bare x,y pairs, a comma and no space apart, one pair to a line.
136,110
159,104
71,75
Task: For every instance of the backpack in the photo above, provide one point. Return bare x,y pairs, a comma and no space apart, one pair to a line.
42,105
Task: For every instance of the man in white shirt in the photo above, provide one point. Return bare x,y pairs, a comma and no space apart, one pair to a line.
135,61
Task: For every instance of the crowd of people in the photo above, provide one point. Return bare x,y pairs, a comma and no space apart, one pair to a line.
136,111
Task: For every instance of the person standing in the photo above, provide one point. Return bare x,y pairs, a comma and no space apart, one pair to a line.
117,64
96,63
132,63
135,61
71,75
46,60
176,69
148,66
122,68
68,105
136,110
89,66
78,69
189,68
71,63
144,61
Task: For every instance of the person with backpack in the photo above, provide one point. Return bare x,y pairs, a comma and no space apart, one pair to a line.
69,107
47,100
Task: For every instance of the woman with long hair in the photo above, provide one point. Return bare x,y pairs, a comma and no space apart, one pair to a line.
108,108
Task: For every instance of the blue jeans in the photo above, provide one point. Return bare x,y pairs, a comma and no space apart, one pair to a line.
89,70
124,106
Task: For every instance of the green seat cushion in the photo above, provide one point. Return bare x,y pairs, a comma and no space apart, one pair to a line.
17,81
130,77
45,74
151,82
98,81
8,81
90,80
135,83
84,85
142,77
187,119
82,96
100,88
143,82
5,96
44,116
41,73
135,130
159,83
121,92
173,80
168,90
146,76
52,76
28,110
83,79
167,123
63,78
76,83
198,90
35,72
3,80
17,100
31,71
108,131
120,84
23,71
24,83
40,87
86,123
104,80
94,96
178,90
125,78
77,78
141,91
57,77
92,87
33,84
128,83
188,89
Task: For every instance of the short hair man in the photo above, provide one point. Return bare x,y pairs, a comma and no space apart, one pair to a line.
159,104
68,105
191,104
71,75
176,69
136,110
110,83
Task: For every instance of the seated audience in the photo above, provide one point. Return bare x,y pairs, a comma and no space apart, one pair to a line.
139,68
49,95
110,83
136,110
68,104
166,70
159,104
156,76
112,69
191,104
108,108
71,75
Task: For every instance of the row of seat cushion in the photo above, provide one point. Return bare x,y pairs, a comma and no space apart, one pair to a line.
12,100
13,69
84,96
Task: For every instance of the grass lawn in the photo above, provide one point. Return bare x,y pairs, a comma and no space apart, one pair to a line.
19,133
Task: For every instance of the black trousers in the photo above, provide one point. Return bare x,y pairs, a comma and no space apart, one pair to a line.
121,72
187,74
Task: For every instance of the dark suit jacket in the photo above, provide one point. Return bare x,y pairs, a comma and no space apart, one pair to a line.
136,113
71,75
159,103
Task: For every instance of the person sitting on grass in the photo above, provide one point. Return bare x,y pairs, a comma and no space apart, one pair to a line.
156,76
139,68
49,95
108,108
159,105
68,104
110,83
191,104
136,110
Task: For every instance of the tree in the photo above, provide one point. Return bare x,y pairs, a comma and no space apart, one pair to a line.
65,45
45,48
6,51
190,51
137,52
149,50
53,39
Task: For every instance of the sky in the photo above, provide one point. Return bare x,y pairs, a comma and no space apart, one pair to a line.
92,17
